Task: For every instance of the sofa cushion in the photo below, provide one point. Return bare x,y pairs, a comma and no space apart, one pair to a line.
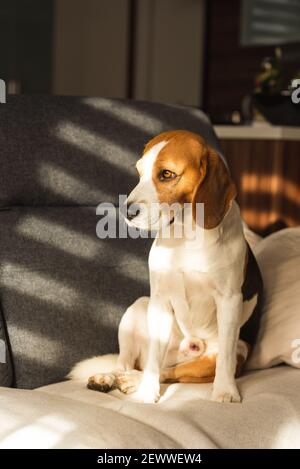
278,341
63,290
68,415
80,151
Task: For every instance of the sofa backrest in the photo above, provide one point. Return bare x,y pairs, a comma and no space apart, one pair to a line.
80,151
63,290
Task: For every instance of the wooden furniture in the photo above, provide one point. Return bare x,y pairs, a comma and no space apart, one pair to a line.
265,164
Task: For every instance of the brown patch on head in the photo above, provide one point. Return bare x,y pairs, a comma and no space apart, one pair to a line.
195,174
184,157
165,136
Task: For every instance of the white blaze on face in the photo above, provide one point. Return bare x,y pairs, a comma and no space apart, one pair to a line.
144,194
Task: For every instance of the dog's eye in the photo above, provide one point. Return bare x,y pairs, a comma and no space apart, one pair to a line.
166,174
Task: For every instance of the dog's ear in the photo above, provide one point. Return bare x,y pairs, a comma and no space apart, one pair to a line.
215,190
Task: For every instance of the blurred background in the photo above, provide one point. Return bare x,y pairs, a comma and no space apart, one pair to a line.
235,59
195,52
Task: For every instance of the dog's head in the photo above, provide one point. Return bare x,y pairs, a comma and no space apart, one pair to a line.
178,167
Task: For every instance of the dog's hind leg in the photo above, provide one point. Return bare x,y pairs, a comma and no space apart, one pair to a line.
202,369
133,343
133,336
197,370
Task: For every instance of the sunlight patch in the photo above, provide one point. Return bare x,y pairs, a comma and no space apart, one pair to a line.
39,341
287,435
19,278
60,182
58,236
98,145
271,184
134,117
44,432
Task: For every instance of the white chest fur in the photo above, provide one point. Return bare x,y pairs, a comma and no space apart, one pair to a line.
217,249
187,273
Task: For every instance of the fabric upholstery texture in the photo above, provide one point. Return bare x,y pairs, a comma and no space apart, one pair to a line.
80,151
68,415
62,289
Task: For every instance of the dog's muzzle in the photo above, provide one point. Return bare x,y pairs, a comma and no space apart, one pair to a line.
133,210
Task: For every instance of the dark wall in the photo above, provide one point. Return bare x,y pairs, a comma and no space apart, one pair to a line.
26,43
230,68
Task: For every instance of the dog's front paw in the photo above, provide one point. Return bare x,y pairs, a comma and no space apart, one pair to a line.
102,382
128,381
149,391
226,394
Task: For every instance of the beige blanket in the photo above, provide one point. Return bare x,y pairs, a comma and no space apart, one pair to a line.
67,415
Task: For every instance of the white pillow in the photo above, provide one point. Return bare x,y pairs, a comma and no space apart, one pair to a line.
278,257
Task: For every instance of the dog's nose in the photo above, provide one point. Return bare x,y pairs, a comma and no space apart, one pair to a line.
133,211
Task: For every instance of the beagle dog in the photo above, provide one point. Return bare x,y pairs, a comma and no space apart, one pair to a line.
203,313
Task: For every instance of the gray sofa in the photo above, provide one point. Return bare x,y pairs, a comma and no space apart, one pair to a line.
63,290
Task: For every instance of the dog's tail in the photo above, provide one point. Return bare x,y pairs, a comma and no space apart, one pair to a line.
91,366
